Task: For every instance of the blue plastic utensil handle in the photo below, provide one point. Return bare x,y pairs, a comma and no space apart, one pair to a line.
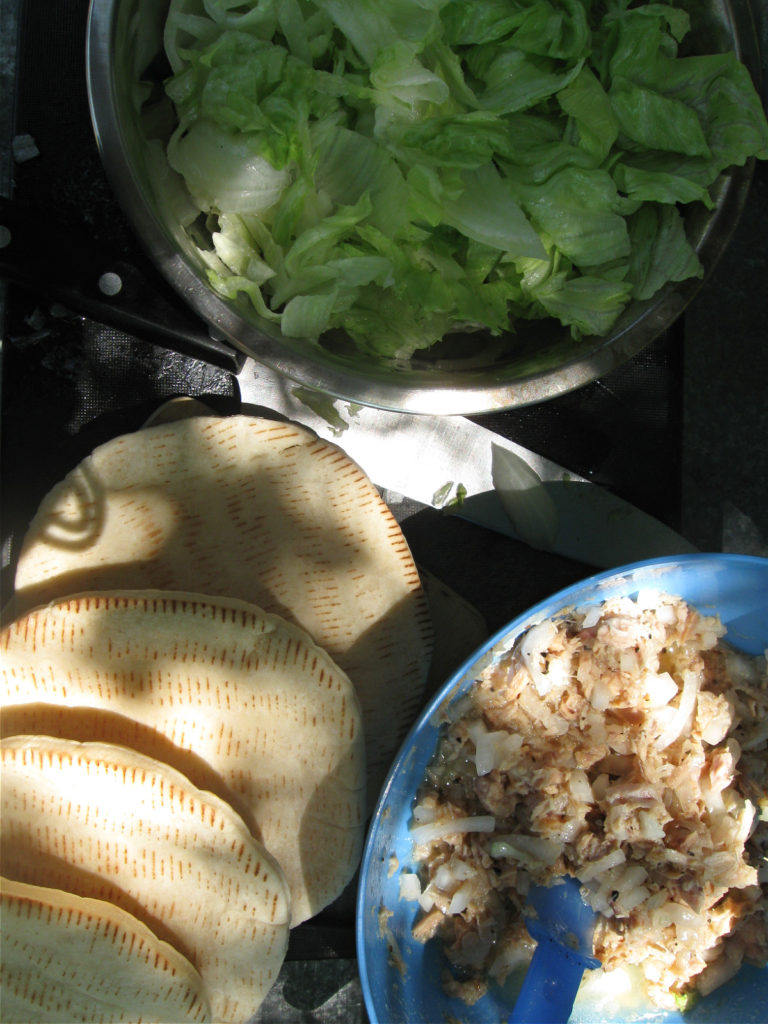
550,985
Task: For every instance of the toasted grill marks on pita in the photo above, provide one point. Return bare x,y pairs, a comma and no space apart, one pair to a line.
104,822
254,509
69,958
241,702
87,724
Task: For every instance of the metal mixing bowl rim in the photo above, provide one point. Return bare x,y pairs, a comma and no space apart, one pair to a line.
423,394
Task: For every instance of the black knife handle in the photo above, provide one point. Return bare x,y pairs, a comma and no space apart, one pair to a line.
60,262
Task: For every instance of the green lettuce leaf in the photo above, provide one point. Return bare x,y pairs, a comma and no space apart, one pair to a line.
653,121
660,185
579,210
660,250
225,171
589,305
487,212
592,117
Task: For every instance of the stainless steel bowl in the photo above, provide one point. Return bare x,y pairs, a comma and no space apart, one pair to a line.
464,374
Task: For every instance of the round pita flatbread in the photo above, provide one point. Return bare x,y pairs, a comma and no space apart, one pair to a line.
71,958
242,703
259,510
107,823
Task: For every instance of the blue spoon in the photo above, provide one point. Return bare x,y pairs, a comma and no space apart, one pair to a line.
563,925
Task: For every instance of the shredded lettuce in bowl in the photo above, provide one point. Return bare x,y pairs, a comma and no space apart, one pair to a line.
402,169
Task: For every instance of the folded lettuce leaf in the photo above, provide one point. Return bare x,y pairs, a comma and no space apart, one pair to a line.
402,169
660,251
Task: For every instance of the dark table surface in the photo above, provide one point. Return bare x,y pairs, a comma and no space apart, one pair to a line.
680,430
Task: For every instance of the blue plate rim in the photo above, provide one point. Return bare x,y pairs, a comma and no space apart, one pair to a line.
505,634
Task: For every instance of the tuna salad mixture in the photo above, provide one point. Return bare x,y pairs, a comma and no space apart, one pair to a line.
623,744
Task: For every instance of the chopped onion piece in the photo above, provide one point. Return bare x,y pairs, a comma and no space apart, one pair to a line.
452,826
494,749
713,800
444,878
678,721
600,697
533,645
651,826
410,886
426,900
461,869
423,813
630,899
591,616
633,875
580,787
659,688
745,821
460,899
686,921
597,867
529,850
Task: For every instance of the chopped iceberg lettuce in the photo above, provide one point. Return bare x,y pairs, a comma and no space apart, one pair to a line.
402,169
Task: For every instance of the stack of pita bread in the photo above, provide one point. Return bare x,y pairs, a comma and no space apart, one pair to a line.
218,641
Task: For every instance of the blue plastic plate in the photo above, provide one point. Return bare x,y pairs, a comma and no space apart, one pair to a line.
400,977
